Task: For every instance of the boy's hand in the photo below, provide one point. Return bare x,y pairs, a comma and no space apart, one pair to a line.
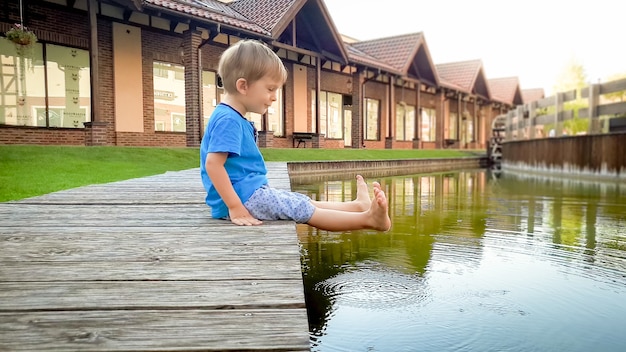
241,216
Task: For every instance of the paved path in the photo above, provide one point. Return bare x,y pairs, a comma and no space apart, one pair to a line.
139,265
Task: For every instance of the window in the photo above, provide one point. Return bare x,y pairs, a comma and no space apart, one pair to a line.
64,72
452,128
331,120
405,122
467,129
169,97
429,125
209,95
69,86
370,123
274,116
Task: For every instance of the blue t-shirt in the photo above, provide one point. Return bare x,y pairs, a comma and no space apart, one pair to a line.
229,132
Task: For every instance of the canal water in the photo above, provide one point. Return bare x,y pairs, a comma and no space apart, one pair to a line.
474,262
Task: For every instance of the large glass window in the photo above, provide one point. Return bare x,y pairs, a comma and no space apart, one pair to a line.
405,122
334,126
467,129
209,95
23,100
429,125
274,116
69,86
370,123
331,121
452,127
169,97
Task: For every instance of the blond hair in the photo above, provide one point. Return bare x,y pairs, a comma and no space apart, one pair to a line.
250,60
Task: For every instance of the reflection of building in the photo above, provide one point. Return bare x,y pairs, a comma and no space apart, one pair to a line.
154,80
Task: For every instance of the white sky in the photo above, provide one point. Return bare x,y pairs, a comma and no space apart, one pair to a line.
532,39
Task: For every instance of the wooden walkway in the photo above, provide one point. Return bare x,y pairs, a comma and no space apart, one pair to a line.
139,265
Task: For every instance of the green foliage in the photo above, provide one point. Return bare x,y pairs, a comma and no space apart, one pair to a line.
572,77
21,35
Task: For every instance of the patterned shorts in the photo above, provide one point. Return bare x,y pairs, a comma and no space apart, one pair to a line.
267,203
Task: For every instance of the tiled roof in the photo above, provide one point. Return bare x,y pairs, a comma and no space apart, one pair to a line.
266,13
359,57
504,89
396,51
532,94
212,10
459,75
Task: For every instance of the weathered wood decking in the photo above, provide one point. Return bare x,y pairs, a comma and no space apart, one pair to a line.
139,265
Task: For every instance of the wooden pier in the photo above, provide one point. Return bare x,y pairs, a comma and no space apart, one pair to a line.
139,265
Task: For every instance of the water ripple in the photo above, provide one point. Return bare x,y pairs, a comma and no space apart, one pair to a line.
373,288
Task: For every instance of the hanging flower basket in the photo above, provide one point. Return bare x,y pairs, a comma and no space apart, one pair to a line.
20,35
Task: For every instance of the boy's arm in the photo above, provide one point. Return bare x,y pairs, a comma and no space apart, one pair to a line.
239,215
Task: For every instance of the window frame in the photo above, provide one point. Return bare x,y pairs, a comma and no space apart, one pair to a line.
366,118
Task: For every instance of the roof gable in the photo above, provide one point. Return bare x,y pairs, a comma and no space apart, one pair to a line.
506,90
211,10
407,53
266,13
533,94
466,76
306,21
359,57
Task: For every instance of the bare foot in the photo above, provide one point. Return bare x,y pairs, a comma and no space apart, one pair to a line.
379,210
362,194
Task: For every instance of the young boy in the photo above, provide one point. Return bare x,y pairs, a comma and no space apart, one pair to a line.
233,170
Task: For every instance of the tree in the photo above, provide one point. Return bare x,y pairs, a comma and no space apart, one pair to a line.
573,77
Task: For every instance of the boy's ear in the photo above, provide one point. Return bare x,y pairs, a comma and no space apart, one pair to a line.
242,85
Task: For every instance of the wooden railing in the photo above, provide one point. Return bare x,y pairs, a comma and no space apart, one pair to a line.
529,121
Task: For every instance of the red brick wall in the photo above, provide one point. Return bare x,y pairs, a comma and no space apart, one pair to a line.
42,136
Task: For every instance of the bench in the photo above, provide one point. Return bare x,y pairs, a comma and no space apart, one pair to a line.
449,142
301,138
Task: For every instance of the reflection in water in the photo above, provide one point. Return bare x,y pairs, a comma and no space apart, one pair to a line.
472,262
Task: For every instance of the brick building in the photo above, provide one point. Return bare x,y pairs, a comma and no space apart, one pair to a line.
143,73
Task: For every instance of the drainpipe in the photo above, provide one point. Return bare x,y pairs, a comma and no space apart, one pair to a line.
92,8
318,75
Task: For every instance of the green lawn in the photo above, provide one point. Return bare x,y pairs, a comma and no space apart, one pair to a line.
27,171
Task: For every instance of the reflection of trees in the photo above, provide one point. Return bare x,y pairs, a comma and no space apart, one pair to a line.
421,207
455,209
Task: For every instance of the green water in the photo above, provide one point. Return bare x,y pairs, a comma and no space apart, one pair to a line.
473,262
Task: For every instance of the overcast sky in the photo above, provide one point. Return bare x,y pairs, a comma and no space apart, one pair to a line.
532,39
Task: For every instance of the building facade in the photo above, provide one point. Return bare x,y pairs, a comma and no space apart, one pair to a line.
143,73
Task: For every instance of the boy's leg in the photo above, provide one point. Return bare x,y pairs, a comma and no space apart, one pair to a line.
376,217
362,201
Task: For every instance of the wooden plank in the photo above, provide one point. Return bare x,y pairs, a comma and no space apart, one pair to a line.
98,295
86,197
222,230
110,248
155,330
163,270
140,265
